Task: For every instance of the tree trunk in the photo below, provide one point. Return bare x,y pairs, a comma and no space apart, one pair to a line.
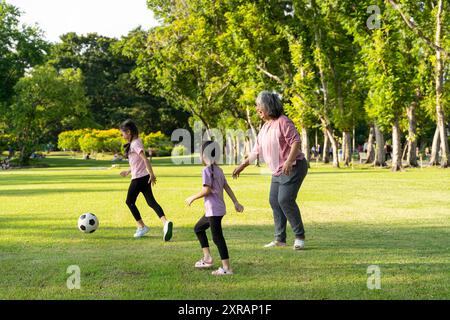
250,124
396,147
405,151
305,143
326,147
411,158
323,116
434,160
25,154
316,141
335,148
439,79
254,133
379,151
346,148
370,149
344,142
353,141
439,89
240,147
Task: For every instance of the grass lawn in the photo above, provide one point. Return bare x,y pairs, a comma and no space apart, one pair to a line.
353,218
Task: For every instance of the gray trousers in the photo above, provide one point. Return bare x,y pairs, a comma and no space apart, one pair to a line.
283,193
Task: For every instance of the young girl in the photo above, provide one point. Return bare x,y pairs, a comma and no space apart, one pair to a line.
214,183
142,179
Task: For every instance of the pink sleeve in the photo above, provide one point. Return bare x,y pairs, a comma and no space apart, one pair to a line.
289,131
137,146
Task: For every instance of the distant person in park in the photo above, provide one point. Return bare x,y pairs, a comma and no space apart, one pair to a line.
117,157
87,157
388,151
279,144
5,164
427,152
214,183
142,179
10,152
359,148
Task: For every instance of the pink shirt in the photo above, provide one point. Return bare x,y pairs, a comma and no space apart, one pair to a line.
213,177
137,164
274,143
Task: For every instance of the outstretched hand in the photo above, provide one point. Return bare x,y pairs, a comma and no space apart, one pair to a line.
124,173
237,171
190,200
152,180
239,207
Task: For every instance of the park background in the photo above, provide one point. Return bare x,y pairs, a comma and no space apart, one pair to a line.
365,80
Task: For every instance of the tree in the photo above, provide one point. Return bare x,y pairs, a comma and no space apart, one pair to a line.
391,70
46,101
431,12
21,48
112,92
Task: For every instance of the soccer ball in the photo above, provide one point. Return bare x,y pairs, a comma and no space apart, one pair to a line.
87,223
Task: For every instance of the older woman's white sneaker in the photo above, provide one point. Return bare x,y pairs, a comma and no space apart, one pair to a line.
299,244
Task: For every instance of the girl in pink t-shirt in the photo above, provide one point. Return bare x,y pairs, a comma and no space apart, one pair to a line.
142,179
214,183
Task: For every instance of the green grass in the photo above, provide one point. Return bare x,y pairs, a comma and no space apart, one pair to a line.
353,218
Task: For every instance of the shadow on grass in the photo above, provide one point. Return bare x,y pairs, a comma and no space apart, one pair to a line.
346,171
337,237
68,162
413,260
52,179
40,192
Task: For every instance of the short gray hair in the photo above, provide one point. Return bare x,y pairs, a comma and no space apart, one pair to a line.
271,103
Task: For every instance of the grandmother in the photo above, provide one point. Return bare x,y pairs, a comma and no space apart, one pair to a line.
278,143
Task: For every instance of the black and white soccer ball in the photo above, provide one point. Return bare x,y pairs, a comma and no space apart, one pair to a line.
87,223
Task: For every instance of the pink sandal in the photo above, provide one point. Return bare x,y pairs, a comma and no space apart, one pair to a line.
201,264
222,272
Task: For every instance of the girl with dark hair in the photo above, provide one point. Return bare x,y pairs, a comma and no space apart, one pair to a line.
214,183
142,179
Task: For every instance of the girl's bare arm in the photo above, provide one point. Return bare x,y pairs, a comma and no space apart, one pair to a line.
237,205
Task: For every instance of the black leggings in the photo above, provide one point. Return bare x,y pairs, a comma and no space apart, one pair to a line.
216,229
141,185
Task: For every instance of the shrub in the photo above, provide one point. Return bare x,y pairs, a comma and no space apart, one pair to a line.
179,150
88,140
90,143
6,141
158,143
109,140
69,140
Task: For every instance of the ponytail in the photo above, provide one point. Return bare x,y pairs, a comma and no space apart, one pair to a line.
209,153
129,125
